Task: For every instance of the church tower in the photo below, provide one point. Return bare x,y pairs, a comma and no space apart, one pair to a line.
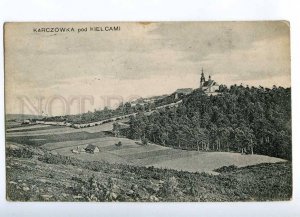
202,79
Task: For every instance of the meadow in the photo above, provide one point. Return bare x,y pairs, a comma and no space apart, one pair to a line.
62,140
35,174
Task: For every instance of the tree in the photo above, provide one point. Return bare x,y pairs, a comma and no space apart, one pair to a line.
119,144
243,119
144,141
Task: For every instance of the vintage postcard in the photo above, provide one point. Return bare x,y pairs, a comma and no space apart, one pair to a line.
148,112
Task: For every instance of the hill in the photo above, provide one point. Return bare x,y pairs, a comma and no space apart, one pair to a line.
240,119
34,174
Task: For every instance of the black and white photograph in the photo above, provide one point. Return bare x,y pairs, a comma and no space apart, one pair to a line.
148,111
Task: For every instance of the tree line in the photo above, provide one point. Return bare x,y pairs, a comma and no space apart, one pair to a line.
239,119
102,114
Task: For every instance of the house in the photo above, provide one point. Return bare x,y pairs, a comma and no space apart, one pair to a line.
182,91
78,150
91,149
75,151
210,86
81,150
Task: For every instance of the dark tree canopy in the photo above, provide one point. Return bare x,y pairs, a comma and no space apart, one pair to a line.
241,119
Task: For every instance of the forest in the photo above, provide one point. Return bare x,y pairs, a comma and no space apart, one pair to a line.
250,120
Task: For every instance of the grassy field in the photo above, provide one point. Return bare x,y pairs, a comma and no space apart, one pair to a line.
62,140
35,174
209,161
41,166
31,128
13,124
39,140
47,130
154,155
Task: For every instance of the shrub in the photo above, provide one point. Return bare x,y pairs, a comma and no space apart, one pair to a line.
19,153
144,141
170,185
119,144
225,169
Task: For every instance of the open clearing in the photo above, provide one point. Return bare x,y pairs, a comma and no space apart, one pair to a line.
37,175
162,157
209,161
38,130
52,172
26,128
62,140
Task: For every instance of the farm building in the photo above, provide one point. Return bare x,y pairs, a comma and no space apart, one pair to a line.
91,149
26,122
78,150
40,122
75,151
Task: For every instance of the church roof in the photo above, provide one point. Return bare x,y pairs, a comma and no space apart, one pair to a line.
209,83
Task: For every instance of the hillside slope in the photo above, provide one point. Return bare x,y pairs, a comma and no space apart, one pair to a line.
238,119
34,174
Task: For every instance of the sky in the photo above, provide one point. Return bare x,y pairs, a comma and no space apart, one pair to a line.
102,68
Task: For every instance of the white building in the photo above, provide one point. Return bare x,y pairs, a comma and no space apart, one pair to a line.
209,86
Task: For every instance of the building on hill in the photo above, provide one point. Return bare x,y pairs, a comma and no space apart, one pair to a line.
182,91
210,86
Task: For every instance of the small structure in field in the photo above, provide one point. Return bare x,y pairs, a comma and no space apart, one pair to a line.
26,122
81,150
119,144
91,149
78,150
75,151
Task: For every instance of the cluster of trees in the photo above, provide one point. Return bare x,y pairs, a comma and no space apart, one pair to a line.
107,113
241,119
100,115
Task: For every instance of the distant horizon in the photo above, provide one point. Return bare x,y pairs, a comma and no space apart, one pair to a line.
244,85
139,59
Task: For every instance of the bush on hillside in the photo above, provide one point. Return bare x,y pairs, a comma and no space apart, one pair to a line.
119,144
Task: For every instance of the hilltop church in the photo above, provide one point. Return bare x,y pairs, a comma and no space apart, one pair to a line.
209,86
